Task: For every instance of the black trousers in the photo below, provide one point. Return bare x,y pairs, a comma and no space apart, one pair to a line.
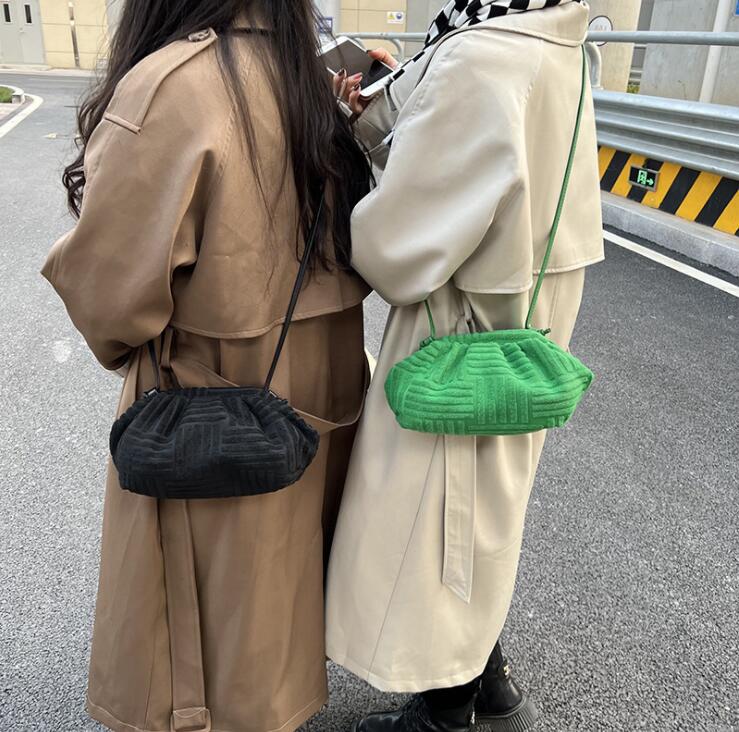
443,700
455,697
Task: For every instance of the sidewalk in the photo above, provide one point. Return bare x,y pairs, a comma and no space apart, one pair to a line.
45,71
698,242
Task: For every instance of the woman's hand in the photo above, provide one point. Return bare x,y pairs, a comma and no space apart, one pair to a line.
349,88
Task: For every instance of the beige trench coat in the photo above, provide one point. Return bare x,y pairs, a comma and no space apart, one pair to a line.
425,556
210,614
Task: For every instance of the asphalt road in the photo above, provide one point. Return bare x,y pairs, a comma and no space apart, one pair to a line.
627,609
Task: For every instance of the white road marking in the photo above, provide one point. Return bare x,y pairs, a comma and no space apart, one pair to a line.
685,269
18,118
61,351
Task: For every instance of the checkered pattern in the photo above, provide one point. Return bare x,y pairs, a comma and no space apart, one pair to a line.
459,13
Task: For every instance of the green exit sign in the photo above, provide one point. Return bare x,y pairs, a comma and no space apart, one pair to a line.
643,178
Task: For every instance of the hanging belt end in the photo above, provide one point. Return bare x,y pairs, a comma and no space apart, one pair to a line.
192,719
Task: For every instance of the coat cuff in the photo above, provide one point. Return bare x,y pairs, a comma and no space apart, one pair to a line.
375,125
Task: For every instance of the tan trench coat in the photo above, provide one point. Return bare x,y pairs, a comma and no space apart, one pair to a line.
209,613
426,550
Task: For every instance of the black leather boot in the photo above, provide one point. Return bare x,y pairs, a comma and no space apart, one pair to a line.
416,716
501,703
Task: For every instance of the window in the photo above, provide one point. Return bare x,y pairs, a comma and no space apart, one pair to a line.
6,12
29,18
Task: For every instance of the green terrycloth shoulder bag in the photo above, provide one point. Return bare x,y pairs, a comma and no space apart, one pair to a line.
504,382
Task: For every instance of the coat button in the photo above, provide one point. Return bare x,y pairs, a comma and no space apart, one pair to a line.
199,36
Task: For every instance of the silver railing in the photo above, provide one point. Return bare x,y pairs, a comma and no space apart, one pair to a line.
698,135
684,38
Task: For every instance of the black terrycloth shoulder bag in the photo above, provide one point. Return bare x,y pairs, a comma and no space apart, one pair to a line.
221,442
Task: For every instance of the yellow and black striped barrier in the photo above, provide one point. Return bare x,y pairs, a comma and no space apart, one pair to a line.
694,195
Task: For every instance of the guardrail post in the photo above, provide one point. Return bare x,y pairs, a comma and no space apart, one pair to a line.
721,23
595,60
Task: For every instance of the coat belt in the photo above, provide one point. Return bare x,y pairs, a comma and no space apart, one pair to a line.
460,498
189,713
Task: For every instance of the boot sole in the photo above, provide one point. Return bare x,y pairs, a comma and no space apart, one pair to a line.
519,719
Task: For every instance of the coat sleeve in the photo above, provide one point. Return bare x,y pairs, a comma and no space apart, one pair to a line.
374,125
455,158
138,223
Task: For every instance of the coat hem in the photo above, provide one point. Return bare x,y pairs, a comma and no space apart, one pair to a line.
99,714
519,289
406,686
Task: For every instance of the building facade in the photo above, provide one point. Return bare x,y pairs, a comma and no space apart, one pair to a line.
63,34
679,72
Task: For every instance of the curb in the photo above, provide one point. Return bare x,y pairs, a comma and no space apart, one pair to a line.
21,112
696,241
693,195
48,71
19,96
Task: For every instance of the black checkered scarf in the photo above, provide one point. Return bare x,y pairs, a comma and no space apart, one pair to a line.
459,13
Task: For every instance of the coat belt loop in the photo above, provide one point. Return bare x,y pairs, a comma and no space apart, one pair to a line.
167,348
460,497
183,614
196,719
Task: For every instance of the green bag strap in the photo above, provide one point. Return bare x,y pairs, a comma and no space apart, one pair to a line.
562,194
560,206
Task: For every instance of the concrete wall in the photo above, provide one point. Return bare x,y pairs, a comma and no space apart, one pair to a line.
677,71
90,26
92,31
617,57
645,16
371,16
420,15
57,34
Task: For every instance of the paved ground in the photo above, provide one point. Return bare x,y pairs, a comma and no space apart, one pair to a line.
627,610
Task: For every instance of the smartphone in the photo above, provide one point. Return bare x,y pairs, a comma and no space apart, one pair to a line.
345,53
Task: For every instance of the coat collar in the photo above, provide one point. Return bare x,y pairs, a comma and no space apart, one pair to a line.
566,24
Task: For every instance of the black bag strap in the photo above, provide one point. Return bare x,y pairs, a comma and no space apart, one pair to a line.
297,287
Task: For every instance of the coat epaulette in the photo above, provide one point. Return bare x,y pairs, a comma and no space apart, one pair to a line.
136,90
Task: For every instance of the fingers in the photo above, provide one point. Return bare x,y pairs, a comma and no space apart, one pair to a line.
339,83
355,102
384,56
344,85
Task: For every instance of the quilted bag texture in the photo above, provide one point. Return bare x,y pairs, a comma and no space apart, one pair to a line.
211,443
495,383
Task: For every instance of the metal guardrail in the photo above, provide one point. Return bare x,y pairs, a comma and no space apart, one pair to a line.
697,135
685,38
679,38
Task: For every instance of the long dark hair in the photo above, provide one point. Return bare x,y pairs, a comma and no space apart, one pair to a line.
320,145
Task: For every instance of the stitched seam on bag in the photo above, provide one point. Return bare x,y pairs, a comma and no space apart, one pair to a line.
405,554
